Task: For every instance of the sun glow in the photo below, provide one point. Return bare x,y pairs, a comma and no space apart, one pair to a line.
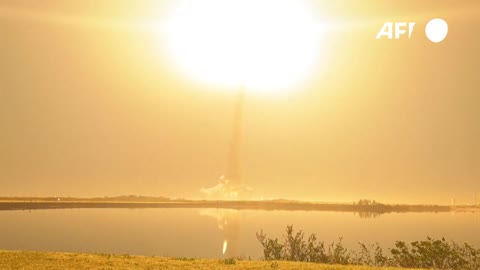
263,44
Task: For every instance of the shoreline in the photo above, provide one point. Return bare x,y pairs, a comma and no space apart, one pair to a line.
6,205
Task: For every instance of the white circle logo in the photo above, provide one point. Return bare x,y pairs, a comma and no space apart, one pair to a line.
436,30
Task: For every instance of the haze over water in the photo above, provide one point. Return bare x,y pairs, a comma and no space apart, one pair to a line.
145,104
202,232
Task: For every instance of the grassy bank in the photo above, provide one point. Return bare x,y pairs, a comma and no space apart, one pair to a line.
24,260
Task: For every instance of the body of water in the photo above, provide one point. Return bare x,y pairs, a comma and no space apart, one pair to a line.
209,232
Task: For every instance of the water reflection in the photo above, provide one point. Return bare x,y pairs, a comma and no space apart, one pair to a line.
367,215
228,222
206,233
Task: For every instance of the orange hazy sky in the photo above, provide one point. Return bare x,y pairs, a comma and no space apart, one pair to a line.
91,105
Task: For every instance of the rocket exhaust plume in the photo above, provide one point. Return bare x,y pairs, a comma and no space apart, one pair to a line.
233,173
231,184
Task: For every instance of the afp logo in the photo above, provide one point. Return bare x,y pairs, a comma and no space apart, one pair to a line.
436,30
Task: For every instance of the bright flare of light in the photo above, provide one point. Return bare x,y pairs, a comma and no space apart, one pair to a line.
225,243
261,44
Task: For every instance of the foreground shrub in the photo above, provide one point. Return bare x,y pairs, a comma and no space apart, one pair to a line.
431,253
229,261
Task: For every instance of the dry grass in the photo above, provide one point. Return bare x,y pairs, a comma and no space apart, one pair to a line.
25,260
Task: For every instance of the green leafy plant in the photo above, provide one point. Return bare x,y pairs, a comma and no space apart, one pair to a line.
428,254
229,261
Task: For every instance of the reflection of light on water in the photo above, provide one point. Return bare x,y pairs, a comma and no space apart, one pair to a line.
221,215
225,243
228,222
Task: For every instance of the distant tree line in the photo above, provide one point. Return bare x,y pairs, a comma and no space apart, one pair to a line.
368,202
122,198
